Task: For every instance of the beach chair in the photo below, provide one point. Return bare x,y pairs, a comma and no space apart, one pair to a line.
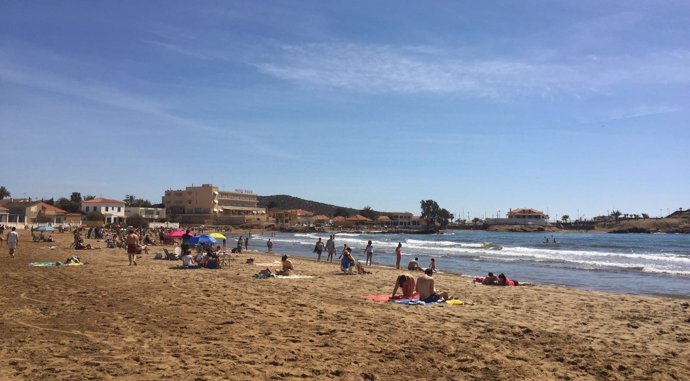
224,258
170,256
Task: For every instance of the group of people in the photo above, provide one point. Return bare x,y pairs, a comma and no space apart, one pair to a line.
205,256
424,285
348,263
501,280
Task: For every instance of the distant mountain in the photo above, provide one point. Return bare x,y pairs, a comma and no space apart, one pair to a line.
289,202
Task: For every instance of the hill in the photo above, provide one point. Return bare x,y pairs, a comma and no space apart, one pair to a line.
289,202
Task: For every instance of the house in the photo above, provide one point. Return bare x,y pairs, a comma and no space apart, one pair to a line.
384,221
291,217
404,220
112,210
320,220
521,217
207,204
4,215
25,211
358,220
148,213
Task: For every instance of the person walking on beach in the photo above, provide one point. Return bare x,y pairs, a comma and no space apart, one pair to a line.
398,255
369,251
13,241
132,241
318,249
269,245
239,244
246,243
330,248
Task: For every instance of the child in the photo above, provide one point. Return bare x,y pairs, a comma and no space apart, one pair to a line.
432,265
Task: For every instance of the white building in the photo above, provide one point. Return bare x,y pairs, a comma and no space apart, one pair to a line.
148,213
113,210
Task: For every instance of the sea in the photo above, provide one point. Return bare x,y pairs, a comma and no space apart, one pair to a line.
652,264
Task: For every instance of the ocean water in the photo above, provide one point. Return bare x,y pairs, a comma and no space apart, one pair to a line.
624,263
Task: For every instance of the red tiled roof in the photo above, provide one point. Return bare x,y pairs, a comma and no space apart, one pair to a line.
52,209
4,209
525,211
358,218
102,200
301,212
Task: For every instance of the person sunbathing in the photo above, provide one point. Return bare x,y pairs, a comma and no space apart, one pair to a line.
406,283
288,268
489,280
427,290
81,246
505,281
414,265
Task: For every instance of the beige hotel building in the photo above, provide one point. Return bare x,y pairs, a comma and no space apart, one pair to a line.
208,205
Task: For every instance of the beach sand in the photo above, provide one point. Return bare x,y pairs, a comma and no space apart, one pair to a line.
108,320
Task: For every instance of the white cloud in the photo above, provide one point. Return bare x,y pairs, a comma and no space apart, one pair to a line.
384,68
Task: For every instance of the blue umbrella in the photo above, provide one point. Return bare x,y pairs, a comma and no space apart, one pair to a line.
45,229
201,239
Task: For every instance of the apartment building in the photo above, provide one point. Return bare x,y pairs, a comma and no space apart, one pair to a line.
206,204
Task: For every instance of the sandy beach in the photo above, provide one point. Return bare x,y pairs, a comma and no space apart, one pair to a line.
108,320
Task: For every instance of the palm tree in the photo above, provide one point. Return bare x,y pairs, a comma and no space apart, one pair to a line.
4,192
565,218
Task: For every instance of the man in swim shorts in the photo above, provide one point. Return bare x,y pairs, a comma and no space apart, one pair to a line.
426,289
132,241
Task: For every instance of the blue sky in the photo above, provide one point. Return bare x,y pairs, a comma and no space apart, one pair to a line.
566,106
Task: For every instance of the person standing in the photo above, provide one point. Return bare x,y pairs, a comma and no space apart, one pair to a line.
246,242
239,244
330,248
269,245
13,241
398,255
132,241
318,249
369,251
185,237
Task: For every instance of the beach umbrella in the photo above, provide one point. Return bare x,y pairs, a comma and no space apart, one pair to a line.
201,239
176,234
217,236
45,229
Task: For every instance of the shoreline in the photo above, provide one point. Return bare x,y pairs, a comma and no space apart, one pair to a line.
109,320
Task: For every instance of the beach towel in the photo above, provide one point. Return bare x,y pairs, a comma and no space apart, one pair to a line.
266,264
387,297
180,267
296,276
53,264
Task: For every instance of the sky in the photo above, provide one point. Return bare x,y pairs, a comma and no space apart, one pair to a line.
570,107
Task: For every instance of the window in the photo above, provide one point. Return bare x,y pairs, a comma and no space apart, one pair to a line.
86,209
119,209
106,208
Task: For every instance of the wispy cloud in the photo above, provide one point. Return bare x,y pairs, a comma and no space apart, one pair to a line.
639,112
53,82
385,68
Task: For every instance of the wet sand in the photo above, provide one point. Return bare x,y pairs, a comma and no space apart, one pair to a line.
108,320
